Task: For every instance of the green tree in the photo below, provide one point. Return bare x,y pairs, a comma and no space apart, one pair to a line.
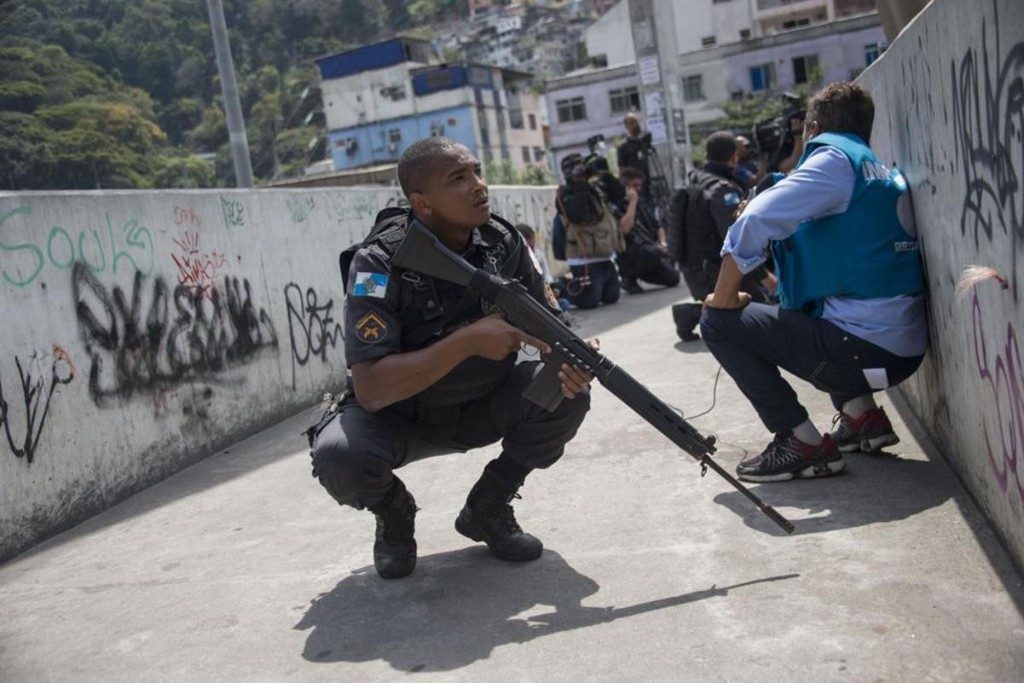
99,144
536,174
502,173
183,170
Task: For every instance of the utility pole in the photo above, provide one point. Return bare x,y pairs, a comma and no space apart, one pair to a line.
657,59
239,142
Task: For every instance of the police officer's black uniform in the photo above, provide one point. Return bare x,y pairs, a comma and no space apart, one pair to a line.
390,310
701,215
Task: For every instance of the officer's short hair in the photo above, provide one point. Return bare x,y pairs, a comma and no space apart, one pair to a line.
630,174
417,163
720,146
843,108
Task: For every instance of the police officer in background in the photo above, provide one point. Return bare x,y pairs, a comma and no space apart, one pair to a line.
700,218
432,372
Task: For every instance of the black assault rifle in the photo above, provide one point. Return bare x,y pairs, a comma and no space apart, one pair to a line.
423,252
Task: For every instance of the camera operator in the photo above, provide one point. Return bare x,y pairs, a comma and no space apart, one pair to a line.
780,138
852,316
701,215
635,151
586,232
646,254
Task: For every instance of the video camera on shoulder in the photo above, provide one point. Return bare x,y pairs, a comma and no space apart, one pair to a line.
774,136
588,181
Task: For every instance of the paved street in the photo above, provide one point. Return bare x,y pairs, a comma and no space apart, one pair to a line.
242,567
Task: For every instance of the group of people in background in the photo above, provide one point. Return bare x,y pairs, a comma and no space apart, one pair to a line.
627,239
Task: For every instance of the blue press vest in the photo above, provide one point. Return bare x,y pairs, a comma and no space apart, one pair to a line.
862,253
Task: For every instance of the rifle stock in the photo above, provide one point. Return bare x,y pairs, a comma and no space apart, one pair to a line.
423,252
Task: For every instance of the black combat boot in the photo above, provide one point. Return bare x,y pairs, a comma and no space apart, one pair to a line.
394,552
687,317
488,517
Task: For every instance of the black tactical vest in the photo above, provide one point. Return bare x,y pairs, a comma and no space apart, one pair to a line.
429,309
700,232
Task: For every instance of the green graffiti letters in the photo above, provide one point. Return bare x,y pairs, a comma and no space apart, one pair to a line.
101,250
18,280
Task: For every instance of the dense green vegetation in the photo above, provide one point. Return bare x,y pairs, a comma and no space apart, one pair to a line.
124,93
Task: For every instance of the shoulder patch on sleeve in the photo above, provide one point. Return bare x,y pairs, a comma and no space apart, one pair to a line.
371,329
370,284
731,198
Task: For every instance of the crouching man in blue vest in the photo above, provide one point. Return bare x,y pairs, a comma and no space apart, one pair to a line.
852,315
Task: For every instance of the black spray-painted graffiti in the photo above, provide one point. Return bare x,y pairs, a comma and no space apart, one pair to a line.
36,408
181,335
988,122
311,325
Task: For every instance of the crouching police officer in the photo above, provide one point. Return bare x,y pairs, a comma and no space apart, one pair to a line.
432,372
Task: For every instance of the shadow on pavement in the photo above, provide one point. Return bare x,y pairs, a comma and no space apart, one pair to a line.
695,346
874,488
458,606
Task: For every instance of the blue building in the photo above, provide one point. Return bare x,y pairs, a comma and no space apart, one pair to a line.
380,98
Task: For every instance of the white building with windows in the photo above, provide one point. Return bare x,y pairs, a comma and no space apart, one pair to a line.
593,101
380,98
709,23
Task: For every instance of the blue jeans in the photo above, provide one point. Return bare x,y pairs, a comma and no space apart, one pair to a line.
602,288
753,342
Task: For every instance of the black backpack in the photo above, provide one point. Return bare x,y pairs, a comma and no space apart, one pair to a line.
688,206
385,220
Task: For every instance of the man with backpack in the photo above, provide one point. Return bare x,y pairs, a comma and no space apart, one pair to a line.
586,230
699,220
434,371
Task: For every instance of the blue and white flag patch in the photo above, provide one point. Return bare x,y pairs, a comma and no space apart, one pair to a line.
731,199
370,284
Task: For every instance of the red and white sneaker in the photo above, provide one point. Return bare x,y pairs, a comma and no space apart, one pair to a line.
787,457
868,433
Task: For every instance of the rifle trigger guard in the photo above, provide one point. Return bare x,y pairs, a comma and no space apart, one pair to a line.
703,466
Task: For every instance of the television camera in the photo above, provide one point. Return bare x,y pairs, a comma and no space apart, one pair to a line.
774,136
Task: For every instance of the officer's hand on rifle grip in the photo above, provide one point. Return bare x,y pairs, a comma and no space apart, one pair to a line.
575,380
493,338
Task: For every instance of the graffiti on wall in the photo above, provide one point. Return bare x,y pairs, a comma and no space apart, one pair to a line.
988,120
360,208
311,325
198,270
36,393
186,217
300,208
234,213
113,244
177,335
1002,376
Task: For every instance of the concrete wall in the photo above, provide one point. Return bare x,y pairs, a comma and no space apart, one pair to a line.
141,331
949,96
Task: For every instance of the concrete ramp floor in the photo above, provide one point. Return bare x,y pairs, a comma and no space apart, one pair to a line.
242,568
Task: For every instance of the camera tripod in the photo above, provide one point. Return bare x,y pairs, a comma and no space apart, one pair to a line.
657,183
